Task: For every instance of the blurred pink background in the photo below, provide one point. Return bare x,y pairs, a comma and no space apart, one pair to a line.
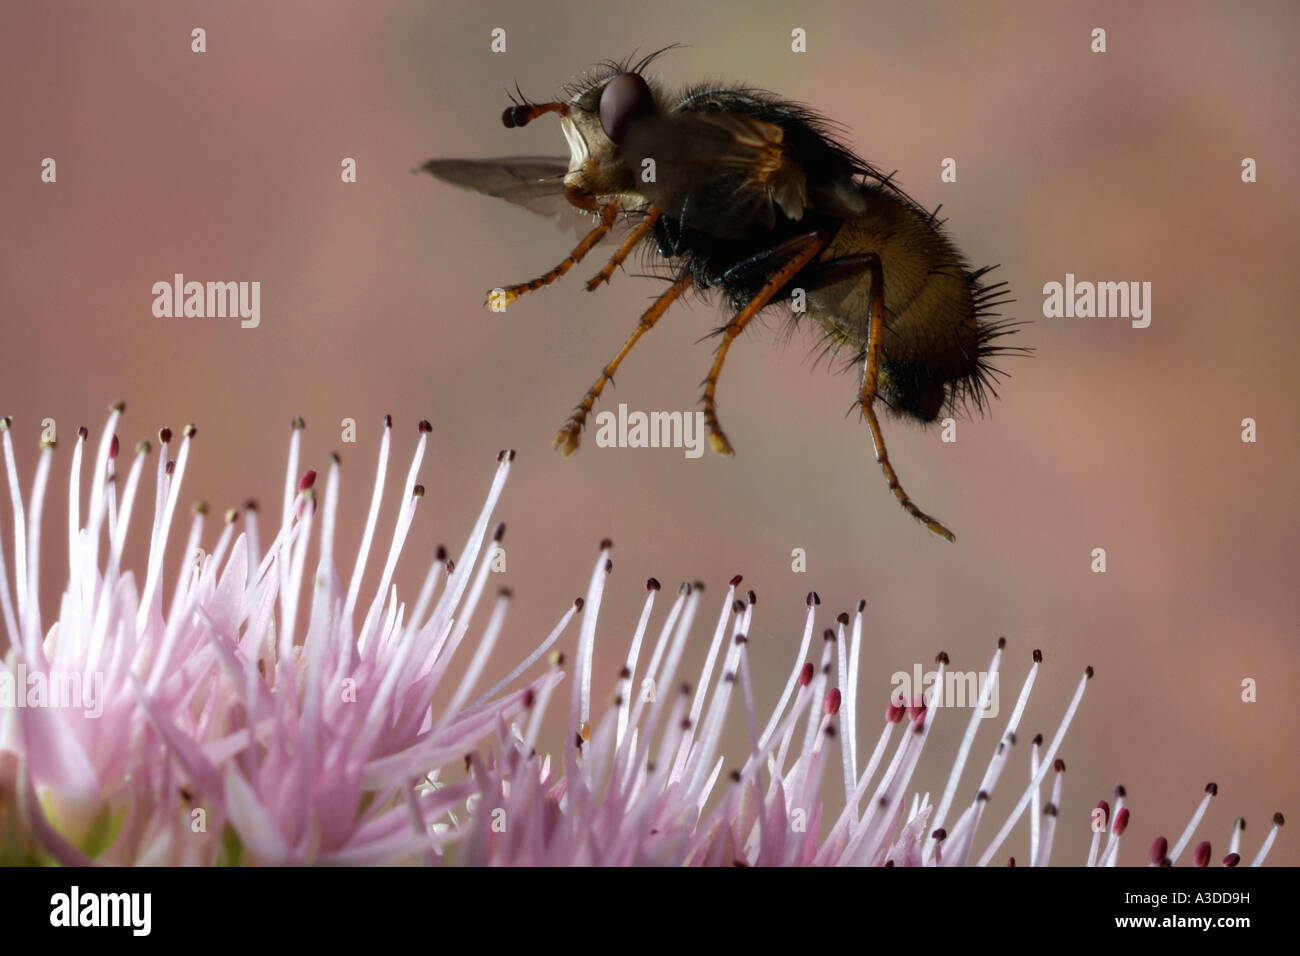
1118,166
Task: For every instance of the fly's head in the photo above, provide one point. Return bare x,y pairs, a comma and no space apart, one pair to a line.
595,117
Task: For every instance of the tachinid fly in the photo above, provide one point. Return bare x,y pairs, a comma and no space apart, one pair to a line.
739,191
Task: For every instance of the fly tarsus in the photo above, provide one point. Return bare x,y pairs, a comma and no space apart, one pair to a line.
867,398
508,294
570,435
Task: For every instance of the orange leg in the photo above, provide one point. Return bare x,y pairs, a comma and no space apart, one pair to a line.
511,292
640,232
815,243
569,436
867,397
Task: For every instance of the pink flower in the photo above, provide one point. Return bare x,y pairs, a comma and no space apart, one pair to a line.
622,801
211,724
227,731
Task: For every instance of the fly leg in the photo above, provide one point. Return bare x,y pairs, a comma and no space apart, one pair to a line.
652,215
867,397
811,244
509,293
569,436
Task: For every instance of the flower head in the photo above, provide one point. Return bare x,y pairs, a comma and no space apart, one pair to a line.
207,721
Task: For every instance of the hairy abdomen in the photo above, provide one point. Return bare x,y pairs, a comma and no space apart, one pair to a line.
931,327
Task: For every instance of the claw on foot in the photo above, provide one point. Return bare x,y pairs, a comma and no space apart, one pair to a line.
940,530
718,442
567,440
498,299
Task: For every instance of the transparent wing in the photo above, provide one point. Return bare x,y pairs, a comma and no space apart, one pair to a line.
534,182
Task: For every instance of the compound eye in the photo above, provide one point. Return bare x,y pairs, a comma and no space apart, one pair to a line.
624,97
